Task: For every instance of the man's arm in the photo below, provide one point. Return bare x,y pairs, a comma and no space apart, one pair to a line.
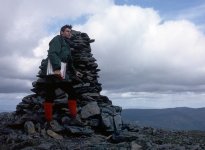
53,55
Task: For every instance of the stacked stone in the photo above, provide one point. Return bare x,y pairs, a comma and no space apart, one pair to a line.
95,111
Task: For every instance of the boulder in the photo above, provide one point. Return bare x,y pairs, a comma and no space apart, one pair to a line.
89,110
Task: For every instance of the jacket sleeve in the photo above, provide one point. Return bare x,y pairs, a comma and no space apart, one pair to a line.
53,53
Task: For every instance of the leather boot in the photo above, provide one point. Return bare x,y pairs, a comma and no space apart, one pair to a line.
72,106
48,109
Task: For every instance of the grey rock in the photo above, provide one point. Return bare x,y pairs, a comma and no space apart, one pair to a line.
108,110
91,94
78,85
118,109
26,100
90,78
89,110
56,126
79,130
111,118
54,135
118,122
86,84
62,101
107,122
135,146
72,121
112,110
29,127
87,98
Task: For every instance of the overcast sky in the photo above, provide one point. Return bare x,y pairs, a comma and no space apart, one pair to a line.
151,52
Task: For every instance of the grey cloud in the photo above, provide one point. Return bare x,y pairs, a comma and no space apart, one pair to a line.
152,80
9,85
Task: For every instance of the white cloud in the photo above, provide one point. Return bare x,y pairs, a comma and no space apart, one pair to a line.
134,49
27,65
153,100
41,50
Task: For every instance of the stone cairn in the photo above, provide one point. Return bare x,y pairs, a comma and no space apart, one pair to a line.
95,112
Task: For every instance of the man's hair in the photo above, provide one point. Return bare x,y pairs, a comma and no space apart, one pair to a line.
65,26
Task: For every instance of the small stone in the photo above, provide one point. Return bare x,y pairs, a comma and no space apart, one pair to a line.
27,99
91,94
78,86
79,130
56,126
54,135
29,127
91,40
135,146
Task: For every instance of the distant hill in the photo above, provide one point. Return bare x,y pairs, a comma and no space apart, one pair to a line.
180,118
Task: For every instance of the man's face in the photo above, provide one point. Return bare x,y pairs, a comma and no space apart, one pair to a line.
66,33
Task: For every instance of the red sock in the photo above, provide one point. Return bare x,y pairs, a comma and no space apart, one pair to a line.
48,109
72,106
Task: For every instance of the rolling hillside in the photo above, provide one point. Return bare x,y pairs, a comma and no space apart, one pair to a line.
181,118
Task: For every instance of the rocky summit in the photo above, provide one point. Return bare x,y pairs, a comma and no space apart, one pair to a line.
98,124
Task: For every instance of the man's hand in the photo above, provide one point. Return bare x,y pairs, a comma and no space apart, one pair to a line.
58,73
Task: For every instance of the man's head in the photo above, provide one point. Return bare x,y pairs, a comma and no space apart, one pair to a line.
66,31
